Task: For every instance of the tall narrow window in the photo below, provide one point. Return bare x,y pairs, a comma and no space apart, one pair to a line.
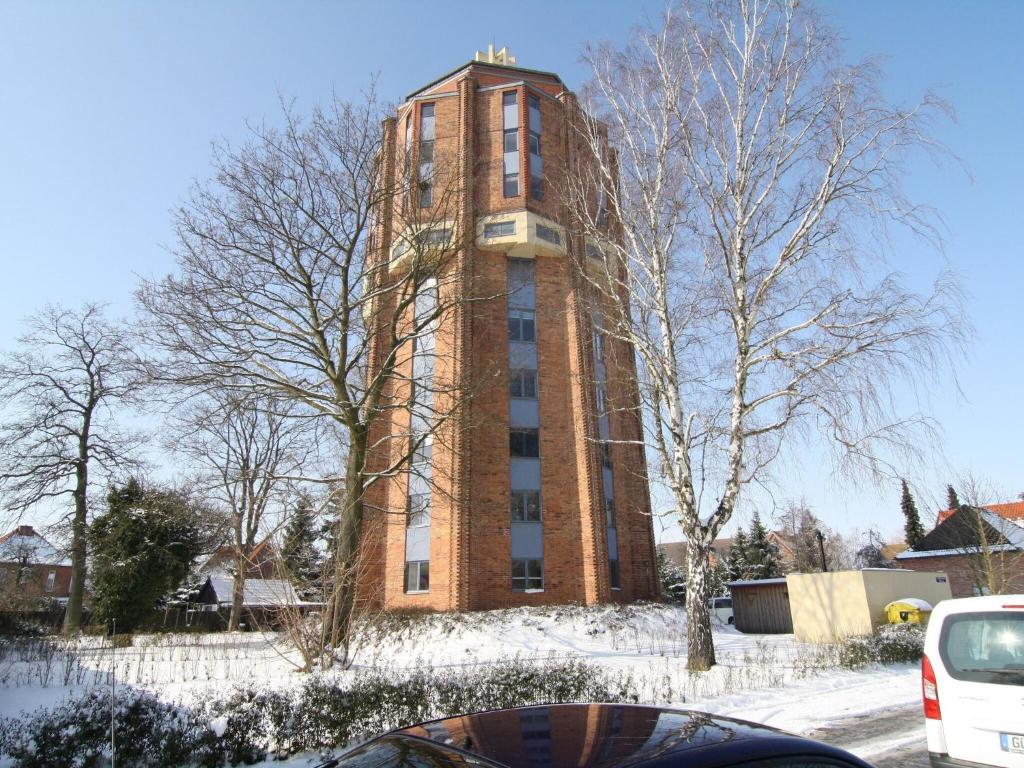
407,162
526,518
510,125
536,164
602,206
604,437
421,398
426,177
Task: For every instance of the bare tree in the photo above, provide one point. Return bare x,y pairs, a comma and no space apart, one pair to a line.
283,290
753,179
248,448
59,395
799,528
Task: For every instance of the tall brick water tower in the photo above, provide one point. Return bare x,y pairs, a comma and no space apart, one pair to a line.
540,496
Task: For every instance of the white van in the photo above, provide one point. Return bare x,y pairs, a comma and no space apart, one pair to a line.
721,608
972,682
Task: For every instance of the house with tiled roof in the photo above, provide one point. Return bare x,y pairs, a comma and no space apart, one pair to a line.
31,569
1011,510
980,548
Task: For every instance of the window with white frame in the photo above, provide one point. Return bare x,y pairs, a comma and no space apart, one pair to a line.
417,576
525,506
527,575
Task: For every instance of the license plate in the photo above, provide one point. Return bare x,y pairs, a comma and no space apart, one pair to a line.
1012,742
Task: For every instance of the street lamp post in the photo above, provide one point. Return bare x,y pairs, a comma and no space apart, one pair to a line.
821,548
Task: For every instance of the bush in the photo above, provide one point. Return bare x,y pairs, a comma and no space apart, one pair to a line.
857,652
890,644
251,723
149,733
900,643
245,720
327,716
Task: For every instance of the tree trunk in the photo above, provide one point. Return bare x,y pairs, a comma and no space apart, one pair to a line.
73,613
237,596
347,553
700,654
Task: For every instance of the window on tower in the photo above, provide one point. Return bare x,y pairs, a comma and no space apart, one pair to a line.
426,171
510,158
522,383
525,506
419,510
417,576
614,575
527,575
536,164
522,325
524,443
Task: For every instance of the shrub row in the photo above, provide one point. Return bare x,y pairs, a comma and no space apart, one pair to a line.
890,644
252,723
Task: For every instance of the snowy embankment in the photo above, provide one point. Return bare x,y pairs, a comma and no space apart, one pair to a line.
766,678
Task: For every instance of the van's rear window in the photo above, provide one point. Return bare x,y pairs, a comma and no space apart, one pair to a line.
984,647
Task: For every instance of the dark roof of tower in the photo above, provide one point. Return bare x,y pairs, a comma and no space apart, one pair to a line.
502,68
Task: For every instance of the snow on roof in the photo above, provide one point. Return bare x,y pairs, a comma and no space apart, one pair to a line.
257,592
24,544
909,554
755,582
1010,529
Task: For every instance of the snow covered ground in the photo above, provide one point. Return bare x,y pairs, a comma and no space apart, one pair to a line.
771,679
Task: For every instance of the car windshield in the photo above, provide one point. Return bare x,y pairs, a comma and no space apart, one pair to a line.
985,647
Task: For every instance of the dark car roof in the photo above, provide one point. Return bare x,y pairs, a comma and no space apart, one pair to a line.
613,735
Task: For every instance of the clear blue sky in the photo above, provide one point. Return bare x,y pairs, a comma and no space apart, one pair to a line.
107,111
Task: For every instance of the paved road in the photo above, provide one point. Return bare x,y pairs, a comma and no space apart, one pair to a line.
893,738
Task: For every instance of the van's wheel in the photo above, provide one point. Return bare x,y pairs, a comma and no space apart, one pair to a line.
732,620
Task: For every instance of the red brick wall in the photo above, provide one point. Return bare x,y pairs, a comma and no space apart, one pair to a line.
963,571
34,578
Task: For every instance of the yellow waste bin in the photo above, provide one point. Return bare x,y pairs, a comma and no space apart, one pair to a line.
908,610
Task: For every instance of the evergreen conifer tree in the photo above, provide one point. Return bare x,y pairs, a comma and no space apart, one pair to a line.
913,531
952,500
143,547
762,554
672,578
736,562
298,550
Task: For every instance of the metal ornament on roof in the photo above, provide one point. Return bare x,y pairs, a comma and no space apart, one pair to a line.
504,56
